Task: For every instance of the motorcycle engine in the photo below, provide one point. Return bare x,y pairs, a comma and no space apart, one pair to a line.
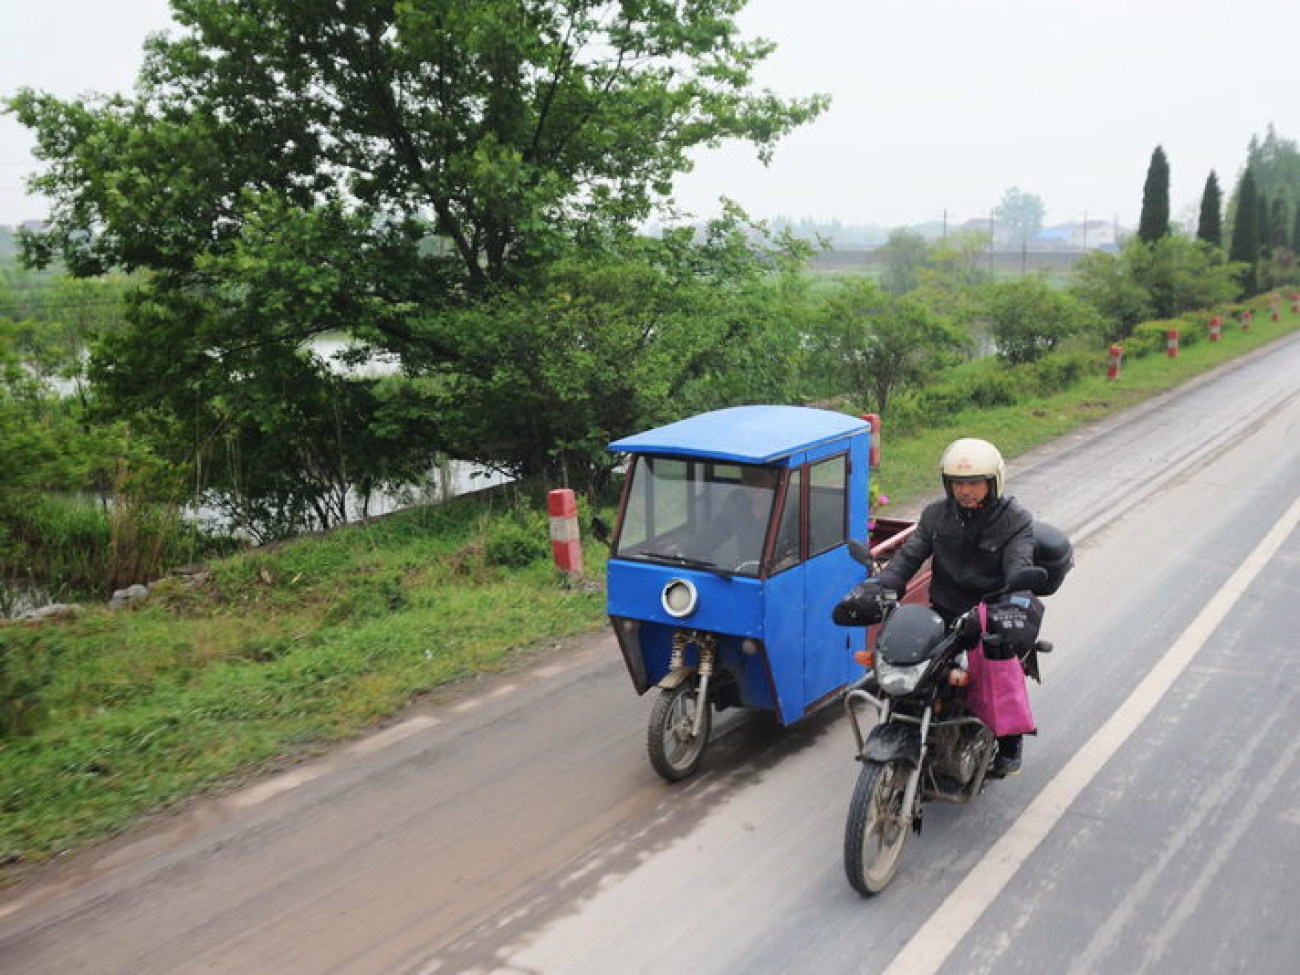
959,751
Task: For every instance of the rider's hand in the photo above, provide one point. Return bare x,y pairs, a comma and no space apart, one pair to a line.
970,627
861,605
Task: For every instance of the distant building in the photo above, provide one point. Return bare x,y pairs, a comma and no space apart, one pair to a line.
1083,235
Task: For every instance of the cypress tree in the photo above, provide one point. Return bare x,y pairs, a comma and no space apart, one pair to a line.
1210,226
1154,222
1279,224
1245,231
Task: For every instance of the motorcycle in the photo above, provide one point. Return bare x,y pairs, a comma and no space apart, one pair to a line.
925,744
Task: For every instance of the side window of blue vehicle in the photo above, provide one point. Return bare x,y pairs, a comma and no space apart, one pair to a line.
827,503
787,551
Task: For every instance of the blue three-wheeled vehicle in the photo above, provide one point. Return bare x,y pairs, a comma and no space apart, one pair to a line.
729,554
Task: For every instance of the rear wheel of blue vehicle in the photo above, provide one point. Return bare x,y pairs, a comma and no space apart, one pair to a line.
675,751
878,828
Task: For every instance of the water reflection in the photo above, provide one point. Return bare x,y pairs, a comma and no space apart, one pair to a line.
344,356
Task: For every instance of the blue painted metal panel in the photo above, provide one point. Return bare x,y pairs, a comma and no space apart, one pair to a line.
731,604
730,607
750,671
745,434
785,646
828,648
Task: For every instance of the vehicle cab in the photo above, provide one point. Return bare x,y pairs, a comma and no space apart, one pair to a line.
730,552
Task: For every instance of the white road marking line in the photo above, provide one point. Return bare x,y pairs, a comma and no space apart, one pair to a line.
938,937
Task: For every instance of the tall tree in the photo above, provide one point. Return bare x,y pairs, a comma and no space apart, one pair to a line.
1019,216
1279,223
1154,221
1209,227
903,256
1144,281
1275,162
1179,274
289,168
878,344
1246,232
504,126
1028,318
1106,282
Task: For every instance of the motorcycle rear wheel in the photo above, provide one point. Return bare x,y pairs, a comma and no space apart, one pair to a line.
877,828
676,753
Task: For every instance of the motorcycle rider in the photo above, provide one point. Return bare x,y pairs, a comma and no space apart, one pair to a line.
975,536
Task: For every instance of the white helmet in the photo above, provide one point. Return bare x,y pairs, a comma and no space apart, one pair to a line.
969,458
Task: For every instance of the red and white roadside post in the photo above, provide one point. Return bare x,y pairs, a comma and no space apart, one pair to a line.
1246,316
1216,328
1116,354
1295,301
874,452
566,542
1171,343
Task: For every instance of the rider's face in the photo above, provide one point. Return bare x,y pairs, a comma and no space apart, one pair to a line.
970,494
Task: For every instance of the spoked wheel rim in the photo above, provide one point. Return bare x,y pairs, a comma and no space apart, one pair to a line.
675,752
878,829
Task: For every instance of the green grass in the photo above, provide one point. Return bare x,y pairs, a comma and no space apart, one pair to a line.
279,652
71,546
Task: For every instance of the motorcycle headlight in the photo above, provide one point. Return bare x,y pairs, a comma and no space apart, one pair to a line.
897,681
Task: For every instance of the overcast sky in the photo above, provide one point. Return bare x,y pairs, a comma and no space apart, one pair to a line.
938,105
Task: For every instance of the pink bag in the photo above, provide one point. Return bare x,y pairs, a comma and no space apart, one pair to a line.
998,694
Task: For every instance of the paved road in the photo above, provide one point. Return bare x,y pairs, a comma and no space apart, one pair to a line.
520,829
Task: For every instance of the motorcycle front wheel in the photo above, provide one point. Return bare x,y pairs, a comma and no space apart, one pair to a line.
878,826
675,751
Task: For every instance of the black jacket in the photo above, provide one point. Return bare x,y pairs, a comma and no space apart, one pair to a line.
973,551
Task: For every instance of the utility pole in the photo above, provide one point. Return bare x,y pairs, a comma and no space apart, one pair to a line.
992,235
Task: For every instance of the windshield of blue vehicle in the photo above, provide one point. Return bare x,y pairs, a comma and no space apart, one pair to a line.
704,513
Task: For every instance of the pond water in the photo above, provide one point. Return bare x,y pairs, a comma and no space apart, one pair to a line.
449,479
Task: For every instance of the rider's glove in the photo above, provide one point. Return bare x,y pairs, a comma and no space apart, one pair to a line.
861,606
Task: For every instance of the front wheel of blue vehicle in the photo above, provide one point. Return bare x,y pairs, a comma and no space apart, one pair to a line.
878,826
675,749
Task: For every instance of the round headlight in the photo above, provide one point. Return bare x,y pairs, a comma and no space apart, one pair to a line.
679,598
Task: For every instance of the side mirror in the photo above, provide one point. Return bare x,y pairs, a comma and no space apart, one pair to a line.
860,551
1031,577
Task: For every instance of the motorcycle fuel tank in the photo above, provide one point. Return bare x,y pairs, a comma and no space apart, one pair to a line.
909,634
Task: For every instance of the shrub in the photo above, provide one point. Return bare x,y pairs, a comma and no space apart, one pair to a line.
1149,338
1056,372
983,389
1191,330
518,538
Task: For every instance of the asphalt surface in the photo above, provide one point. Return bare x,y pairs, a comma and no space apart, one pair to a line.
519,828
